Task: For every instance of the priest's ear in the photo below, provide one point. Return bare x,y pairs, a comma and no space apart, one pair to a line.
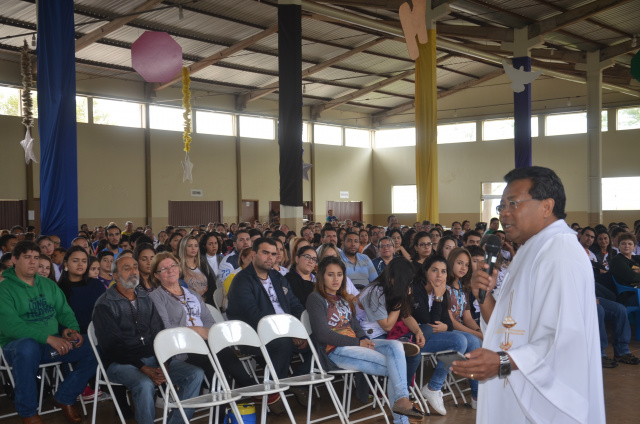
547,206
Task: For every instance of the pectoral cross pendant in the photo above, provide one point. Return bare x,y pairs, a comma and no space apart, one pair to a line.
193,321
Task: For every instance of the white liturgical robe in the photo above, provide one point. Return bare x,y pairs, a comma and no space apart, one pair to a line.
545,317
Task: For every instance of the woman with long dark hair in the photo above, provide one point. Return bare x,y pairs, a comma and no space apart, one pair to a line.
301,276
144,254
342,343
398,250
81,291
422,248
431,311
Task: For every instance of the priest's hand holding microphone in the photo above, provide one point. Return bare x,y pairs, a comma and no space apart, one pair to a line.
483,363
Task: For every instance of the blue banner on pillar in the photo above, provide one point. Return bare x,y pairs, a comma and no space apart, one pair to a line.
522,118
57,120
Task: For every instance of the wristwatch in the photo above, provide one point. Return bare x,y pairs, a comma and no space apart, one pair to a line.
505,365
438,298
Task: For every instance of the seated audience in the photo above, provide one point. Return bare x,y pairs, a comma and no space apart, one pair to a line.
371,249
359,267
258,291
143,255
386,248
126,323
422,248
616,314
81,291
342,343
192,271
431,311
301,277
458,279
241,241
37,326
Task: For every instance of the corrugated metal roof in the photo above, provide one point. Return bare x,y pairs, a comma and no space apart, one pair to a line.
208,27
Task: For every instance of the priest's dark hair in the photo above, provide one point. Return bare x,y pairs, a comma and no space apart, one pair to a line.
545,184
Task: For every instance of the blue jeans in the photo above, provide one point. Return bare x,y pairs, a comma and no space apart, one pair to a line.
614,311
448,340
386,359
188,377
26,355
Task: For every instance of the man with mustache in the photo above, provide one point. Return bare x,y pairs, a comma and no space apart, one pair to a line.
126,323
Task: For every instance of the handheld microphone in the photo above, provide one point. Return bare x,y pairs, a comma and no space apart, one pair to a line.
491,250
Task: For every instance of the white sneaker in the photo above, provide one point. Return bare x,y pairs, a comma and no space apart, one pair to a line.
435,399
474,404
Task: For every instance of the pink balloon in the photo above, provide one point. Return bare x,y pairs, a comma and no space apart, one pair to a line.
156,57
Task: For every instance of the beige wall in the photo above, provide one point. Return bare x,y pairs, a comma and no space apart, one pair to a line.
343,169
111,159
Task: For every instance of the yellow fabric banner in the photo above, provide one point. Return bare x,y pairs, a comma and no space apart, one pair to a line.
426,131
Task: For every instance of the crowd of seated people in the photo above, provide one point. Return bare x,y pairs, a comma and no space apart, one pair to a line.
380,293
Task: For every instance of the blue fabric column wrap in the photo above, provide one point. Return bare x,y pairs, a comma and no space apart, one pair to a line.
290,103
57,120
522,118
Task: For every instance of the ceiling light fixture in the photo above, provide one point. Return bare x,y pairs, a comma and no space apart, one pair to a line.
180,14
33,40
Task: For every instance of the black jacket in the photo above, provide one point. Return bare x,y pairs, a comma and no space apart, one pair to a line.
301,287
249,302
118,335
439,310
206,269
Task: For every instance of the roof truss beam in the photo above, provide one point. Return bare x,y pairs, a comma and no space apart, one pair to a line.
571,16
378,117
223,54
106,29
255,95
318,109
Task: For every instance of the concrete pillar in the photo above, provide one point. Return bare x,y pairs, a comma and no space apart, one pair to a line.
594,69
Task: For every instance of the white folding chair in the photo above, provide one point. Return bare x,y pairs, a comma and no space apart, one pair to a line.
234,333
57,375
218,298
246,360
101,376
448,390
175,341
347,389
217,315
273,327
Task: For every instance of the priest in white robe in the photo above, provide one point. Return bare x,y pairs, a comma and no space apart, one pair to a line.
540,361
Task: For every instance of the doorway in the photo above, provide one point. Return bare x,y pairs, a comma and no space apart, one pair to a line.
250,211
346,210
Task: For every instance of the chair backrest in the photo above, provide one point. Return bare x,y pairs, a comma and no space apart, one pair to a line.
91,333
232,333
272,327
304,318
620,288
174,341
218,297
217,315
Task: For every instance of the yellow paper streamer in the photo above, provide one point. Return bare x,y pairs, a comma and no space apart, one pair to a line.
186,105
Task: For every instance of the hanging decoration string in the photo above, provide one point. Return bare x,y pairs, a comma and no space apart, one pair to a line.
27,102
187,166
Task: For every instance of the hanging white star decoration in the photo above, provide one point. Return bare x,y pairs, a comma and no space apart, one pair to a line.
27,145
187,167
305,168
27,103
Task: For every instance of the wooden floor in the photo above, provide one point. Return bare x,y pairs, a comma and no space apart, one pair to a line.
622,386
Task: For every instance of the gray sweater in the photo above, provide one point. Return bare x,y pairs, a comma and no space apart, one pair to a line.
172,312
322,335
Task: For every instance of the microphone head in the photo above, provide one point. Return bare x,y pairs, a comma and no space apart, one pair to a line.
493,244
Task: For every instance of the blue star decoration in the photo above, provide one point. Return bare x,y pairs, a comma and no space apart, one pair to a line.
187,167
27,145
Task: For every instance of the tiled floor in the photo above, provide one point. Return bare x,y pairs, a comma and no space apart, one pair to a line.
622,386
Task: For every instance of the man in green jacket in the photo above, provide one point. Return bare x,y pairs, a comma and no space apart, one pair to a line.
32,310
